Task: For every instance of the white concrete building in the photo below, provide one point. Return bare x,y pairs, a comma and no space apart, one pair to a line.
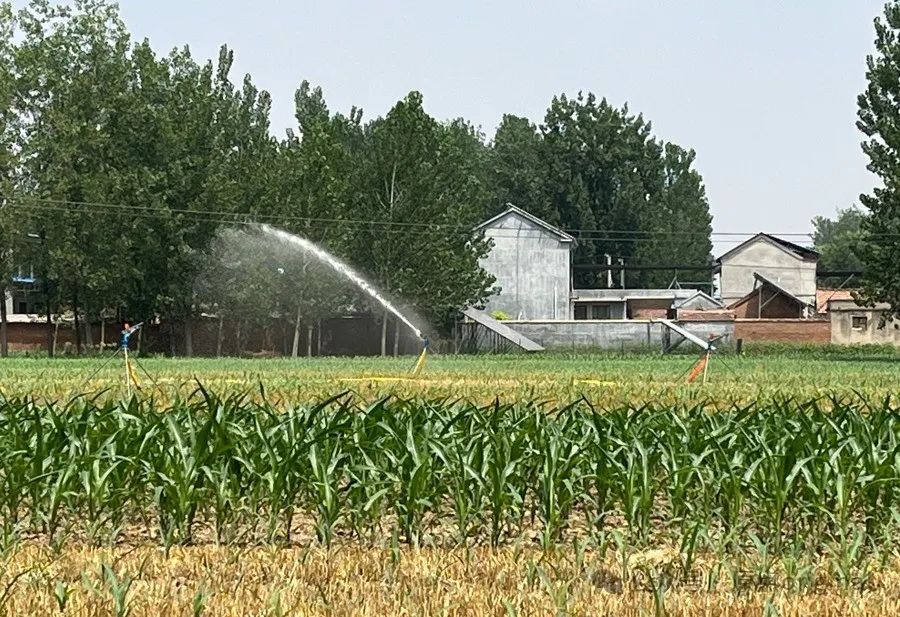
531,261
852,324
790,266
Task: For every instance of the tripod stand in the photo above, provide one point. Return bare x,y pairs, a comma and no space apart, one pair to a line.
130,376
701,366
420,362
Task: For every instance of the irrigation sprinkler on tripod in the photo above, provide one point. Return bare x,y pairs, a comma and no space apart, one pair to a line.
708,347
130,375
420,363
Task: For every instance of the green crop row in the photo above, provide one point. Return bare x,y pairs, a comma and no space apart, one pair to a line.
604,380
230,469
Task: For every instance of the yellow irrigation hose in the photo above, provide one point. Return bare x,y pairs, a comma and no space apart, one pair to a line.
377,379
420,363
131,373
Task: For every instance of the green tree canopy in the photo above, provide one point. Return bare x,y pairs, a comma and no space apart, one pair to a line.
838,240
598,172
879,119
10,232
420,194
133,166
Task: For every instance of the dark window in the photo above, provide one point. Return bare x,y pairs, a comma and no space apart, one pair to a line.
600,311
580,311
21,307
860,322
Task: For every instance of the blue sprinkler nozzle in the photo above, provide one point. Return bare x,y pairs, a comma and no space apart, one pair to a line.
127,331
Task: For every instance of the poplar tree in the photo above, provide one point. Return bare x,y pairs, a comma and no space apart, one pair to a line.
10,233
421,194
879,119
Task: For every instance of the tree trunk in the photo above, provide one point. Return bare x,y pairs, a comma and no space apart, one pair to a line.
51,333
88,332
219,336
237,338
102,332
188,337
77,323
269,339
396,338
51,337
295,348
172,349
319,337
384,334
140,338
55,338
309,330
4,334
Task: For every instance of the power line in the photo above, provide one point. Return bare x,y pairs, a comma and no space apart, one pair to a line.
285,217
235,218
240,219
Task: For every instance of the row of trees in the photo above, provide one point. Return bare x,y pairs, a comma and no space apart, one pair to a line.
119,168
598,170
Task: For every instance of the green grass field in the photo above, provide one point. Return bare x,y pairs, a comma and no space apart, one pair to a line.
605,380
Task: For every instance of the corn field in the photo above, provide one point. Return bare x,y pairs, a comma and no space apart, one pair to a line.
438,472
234,498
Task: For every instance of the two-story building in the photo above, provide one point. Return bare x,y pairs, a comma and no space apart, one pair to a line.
765,261
532,262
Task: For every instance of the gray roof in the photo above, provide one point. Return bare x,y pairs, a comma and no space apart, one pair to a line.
759,277
800,251
511,209
501,329
701,294
619,295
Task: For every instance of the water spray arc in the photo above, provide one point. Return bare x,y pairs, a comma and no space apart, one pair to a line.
349,273
340,267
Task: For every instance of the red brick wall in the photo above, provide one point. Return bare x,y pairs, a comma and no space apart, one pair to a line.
783,330
648,309
340,336
33,335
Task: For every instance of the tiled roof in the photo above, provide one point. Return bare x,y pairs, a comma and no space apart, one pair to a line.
823,296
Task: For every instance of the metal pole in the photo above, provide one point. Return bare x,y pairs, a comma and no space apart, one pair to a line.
49,319
127,375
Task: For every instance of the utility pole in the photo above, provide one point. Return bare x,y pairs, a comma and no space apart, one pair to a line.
45,283
622,272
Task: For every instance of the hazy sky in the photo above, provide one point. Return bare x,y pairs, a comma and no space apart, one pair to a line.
764,91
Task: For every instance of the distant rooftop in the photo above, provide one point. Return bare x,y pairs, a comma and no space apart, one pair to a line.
621,295
795,248
511,209
800,251
824,296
